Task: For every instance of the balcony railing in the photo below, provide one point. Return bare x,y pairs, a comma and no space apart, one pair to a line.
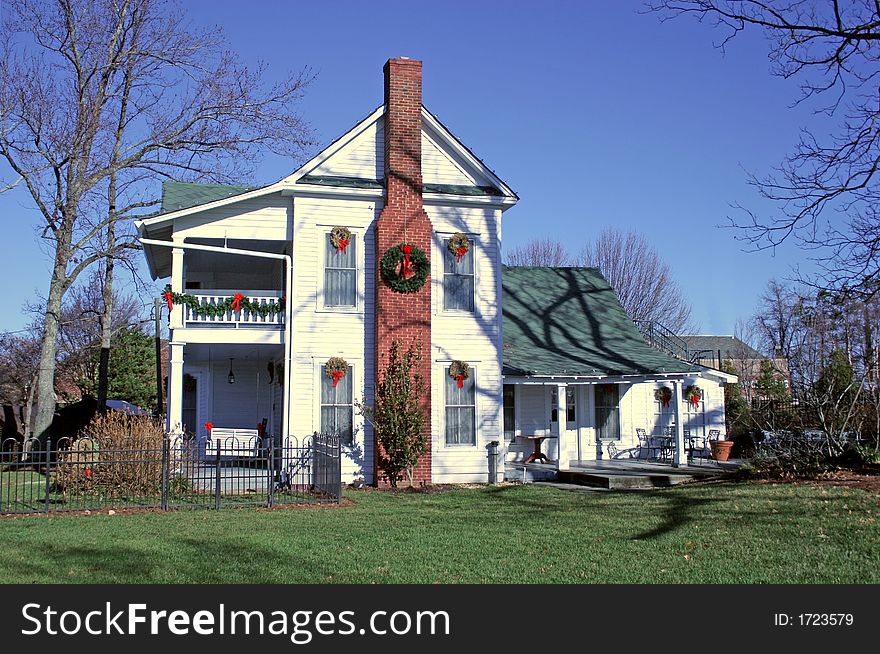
235,319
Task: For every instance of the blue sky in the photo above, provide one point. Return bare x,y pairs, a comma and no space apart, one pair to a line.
594,113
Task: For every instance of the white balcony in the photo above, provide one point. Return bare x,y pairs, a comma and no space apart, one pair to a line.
229,318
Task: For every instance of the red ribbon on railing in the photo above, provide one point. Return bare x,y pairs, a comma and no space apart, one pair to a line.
460,380
461,252
337,375
343,244
236,301
209,426
407,265
167,296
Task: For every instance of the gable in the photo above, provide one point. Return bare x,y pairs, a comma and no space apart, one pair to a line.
357,159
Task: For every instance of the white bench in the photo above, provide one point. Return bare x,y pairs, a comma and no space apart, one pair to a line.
234,442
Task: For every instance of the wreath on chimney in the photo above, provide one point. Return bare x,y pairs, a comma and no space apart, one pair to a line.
404,268
336,368
663,395
340,237
459,245
693,394
459,371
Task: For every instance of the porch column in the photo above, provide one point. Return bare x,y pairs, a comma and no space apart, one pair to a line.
175,320
679,457
175,386
562,423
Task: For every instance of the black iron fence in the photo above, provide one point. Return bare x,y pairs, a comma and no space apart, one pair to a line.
85,474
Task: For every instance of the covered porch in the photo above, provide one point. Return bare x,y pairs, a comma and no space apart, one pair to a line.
227,391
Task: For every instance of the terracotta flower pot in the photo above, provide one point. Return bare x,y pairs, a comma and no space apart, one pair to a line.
721,450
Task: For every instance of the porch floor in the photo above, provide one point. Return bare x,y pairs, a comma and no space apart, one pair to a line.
619,473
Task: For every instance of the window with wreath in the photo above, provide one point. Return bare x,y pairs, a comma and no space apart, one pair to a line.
458,279
337,407
340,273
461,409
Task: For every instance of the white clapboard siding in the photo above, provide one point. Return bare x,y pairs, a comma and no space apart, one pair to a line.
362,157
320,333
474,338
266,217
438,167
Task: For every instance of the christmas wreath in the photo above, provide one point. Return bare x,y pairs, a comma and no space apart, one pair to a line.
340,237
663,395
404,268
336,368
459,371
459,244
693,394
237,302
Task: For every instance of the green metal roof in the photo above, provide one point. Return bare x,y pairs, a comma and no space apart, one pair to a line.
183,195
568,321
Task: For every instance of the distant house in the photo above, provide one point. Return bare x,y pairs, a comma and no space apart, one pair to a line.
713,351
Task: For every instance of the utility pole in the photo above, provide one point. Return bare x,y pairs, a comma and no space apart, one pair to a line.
157,311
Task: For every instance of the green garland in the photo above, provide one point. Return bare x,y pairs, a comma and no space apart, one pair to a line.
391,268
222,308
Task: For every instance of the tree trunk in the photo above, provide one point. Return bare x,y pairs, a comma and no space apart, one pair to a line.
44,410
106,321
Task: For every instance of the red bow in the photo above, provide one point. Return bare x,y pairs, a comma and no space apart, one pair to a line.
695,400
407,265
336,375
343,244
461,252
209,426
460,380
167,296
88,472
236,301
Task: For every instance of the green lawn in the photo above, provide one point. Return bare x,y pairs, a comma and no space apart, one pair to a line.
731,533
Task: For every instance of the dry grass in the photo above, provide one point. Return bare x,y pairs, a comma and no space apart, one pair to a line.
116,455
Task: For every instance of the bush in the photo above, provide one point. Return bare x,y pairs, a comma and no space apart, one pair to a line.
116,455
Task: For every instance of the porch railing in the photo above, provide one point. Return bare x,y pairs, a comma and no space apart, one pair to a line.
235,319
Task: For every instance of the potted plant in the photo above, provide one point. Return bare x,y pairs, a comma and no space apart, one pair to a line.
721,449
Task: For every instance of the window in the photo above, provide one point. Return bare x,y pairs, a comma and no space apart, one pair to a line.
509,412
461,410
664,416
570,405
458,280
340,274
336,406
607,412
189,411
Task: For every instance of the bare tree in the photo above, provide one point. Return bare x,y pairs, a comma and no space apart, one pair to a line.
642,281
99,96
828,187
539,252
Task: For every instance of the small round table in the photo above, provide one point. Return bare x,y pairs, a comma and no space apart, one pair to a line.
537,454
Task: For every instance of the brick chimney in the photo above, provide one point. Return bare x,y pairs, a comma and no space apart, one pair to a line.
405,317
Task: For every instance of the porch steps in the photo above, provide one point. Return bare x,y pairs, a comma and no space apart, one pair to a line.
621,480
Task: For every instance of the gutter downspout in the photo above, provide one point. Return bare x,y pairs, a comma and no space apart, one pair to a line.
288,309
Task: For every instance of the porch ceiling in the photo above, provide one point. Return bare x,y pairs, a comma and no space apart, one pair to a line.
237,351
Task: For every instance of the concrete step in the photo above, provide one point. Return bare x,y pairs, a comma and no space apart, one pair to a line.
622,479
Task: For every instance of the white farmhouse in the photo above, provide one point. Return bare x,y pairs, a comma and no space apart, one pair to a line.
271,283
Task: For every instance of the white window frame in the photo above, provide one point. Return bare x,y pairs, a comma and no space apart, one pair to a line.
356,392
473,373
439,273
358,234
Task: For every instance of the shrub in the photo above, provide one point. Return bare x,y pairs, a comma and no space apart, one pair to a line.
116,455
